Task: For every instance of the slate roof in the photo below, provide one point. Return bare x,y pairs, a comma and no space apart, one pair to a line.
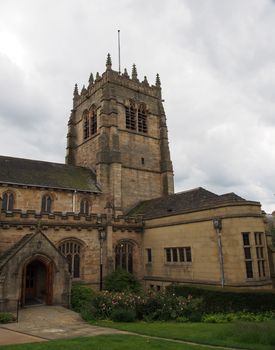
192,200
4,257
46,174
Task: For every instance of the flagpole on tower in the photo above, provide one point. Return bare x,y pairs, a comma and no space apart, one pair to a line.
118,38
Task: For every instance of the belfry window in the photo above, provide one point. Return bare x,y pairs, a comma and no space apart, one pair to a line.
46,204
8,201
136,118
142,119
72,251
130,117
124,256
93,121
84,207
85,125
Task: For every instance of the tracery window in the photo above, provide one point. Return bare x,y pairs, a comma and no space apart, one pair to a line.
124,256
130,117
72,251
85,125
46,203
93,121
142,119
8,201
84,207
136,118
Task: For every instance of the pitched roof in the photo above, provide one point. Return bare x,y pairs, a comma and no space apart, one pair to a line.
192,200
46,174
7,254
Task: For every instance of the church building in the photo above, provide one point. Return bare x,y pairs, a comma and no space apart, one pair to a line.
112,205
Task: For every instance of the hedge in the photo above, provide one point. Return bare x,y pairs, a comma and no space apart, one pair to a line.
219,300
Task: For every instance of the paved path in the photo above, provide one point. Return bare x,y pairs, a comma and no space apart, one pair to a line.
42,323
10,337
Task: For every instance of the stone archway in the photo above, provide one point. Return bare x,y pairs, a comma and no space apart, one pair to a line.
37,281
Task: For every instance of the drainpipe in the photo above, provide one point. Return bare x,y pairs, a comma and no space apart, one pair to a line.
217,223
74,200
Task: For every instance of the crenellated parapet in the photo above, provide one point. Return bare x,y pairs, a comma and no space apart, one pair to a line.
31,219
124,80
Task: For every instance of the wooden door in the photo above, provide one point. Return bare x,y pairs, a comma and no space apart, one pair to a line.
30,286
49,284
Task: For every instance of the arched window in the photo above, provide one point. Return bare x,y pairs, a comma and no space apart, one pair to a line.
124,256
93,120
84,207
8,201
130,116
142,119
85,125
72,251
46,204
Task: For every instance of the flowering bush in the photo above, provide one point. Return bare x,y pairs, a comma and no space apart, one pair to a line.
149,305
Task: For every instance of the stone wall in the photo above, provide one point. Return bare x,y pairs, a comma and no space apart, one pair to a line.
196,230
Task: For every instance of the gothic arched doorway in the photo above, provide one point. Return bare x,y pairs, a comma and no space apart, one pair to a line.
37,282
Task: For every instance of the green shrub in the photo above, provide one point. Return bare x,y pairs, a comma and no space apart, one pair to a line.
218,300
80,297
164,306
238,316
88,312
6,317
123,315
121,281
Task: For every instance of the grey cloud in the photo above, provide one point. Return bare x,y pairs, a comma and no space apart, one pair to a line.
216,63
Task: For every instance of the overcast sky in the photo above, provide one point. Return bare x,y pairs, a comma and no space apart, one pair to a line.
216,60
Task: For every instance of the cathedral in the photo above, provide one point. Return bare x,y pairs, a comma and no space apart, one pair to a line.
112,205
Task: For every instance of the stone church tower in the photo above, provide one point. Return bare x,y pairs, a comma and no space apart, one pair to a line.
118,128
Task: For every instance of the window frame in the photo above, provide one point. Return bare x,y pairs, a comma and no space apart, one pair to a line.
93,121
72,250
8,200
136,117
46,201
86,124
178,255
248,260
85,205
260,255
149,255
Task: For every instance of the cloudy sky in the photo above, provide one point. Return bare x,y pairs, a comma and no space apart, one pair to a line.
216,60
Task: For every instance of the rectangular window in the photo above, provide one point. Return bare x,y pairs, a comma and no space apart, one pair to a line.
168,255
188,254
175,254
247,255
149,255
249,269
246,238
259,246
178,254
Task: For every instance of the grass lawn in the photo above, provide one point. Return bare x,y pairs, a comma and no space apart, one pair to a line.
247,335
103,342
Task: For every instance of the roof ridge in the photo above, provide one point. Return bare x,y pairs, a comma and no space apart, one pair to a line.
45,161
